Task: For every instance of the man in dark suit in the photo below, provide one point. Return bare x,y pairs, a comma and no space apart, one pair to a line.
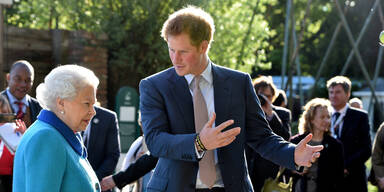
279,120
20,80
103,142
197,154
351,126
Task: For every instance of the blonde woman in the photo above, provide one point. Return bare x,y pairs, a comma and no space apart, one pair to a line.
325,174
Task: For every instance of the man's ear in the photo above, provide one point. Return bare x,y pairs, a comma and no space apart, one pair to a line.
204,46
8,77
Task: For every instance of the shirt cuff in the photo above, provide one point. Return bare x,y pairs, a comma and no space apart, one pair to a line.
269,117
199,154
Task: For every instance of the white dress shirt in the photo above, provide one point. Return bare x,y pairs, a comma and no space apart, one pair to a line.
206,87
339,121
15,106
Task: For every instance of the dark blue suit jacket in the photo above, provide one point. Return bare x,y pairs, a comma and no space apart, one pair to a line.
259,168
357,148
168,124
104,145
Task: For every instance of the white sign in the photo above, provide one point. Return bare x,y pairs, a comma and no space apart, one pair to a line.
7,2
127,114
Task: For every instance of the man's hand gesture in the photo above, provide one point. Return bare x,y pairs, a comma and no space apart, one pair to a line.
305,154
213,137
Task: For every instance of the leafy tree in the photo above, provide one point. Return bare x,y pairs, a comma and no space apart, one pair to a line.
321,23
133,29
240,42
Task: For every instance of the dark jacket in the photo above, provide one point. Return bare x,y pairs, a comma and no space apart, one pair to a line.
166,107
357,148
135,171
330,171
259,168
103,146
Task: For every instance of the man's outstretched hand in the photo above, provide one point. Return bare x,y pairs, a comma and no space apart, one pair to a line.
213,137
305,154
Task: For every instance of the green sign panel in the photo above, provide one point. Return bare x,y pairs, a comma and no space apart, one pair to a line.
127,106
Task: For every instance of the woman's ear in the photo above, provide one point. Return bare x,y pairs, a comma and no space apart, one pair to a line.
60,104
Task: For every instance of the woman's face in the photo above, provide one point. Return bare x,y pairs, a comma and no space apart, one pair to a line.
79,111
321,120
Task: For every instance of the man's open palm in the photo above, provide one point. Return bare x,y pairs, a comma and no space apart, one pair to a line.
305,154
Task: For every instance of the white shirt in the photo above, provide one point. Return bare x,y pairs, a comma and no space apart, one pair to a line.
15,106
87,134
206,87
339,121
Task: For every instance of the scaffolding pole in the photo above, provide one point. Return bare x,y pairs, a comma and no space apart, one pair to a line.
357,53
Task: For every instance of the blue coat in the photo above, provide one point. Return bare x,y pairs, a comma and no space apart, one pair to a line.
45,161
168,124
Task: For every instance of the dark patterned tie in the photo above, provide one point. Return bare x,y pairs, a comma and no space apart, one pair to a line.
20,113
336,116
207,164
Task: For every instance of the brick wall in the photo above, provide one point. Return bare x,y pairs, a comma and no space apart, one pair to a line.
46,49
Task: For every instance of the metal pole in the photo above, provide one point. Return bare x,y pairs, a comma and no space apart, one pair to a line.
357,53
379,59
286,42
362,32
377,70
296,51
327,53
298,66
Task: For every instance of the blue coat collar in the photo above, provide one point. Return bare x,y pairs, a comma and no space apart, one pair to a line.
74,140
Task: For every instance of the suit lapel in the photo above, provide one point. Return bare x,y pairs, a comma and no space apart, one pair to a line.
222,94
95,127
182,96
32,109
346,123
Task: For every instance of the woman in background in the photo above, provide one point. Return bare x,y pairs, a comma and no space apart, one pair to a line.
51,156
326,174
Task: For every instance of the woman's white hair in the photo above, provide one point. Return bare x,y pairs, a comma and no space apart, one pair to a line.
64,82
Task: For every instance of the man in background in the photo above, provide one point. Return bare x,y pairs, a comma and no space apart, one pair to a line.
356,102
350,125
20,81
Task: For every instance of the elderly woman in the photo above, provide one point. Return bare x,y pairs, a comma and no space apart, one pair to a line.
326,174
51,156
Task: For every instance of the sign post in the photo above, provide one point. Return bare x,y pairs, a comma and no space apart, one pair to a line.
127,106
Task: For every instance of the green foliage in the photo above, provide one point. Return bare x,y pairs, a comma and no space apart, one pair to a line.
249,33
320,25
133,27
232,22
